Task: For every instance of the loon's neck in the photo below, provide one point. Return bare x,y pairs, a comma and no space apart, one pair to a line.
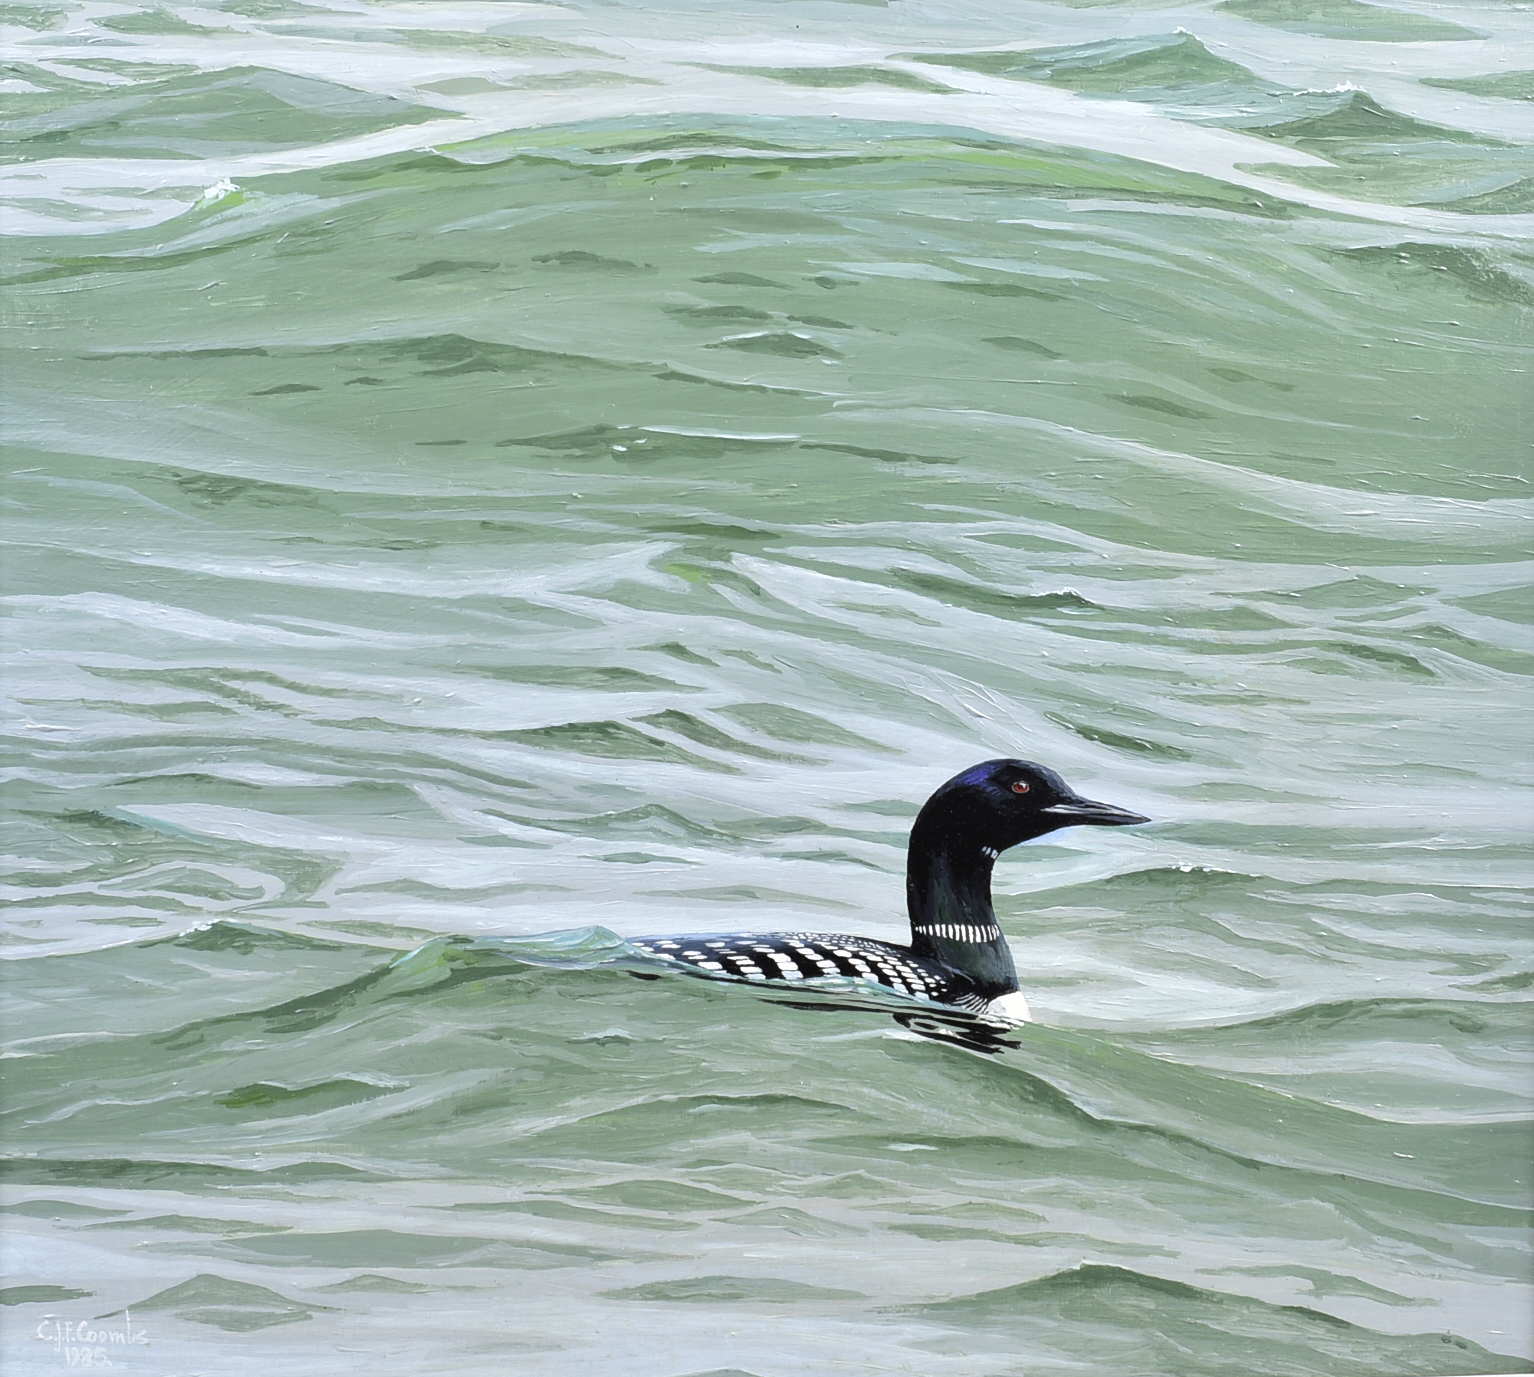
948,892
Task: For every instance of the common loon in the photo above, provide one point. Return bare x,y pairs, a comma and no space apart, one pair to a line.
958,955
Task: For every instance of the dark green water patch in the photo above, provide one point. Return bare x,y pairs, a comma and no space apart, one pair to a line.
238,1307
1107,67
706,734
38,18
266,1100
739,279
217,489
1137,745
392,1248
611,740
838,77
922,154
40,1295
793,724
635,444
1336,120
155,23
720,535
647,1194
1152,1325
441,40
1514,605
141,1173
1322,1283
1023,346
374,1282
452,355
51,90
566,1213
721,1290
103,846
134,71
1398,660
718,315
442,267
265,9
1503,85
1172,69
583,258
1348,19
651,820
1358,1020
575,79
1472,270
1002,289
884,456
998,601
1512,198
750,894
635,1133
240,110
1162,405
59,1210
1235,375
668,136
757,389
193,1224
474,366
1378,153
602,678
1349,128
78,265
780,344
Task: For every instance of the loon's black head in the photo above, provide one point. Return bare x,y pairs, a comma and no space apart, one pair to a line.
1000,803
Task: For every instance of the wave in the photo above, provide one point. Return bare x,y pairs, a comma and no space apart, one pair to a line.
1329,118
143,1172
1349,19
1474,270
1349,1018
197,115
1179,75
1116,1096
1173,70
1155,1325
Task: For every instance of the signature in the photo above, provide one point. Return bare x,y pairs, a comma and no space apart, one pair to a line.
88,1343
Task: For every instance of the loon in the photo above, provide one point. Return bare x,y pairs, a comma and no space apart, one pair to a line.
958,955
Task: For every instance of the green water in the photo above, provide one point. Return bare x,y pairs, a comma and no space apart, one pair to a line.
490,481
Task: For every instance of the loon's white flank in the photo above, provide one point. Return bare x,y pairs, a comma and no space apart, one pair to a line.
1012,1007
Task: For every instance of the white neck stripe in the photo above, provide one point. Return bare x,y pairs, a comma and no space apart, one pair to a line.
962,932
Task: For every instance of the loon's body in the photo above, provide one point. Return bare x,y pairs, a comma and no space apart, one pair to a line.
958,955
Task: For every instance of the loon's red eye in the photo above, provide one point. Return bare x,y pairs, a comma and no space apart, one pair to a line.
1021,787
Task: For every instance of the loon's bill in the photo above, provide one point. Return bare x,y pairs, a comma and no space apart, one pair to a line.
958,955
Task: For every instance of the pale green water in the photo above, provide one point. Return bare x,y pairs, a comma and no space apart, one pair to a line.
484,471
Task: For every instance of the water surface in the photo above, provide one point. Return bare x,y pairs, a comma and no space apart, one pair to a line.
493,479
